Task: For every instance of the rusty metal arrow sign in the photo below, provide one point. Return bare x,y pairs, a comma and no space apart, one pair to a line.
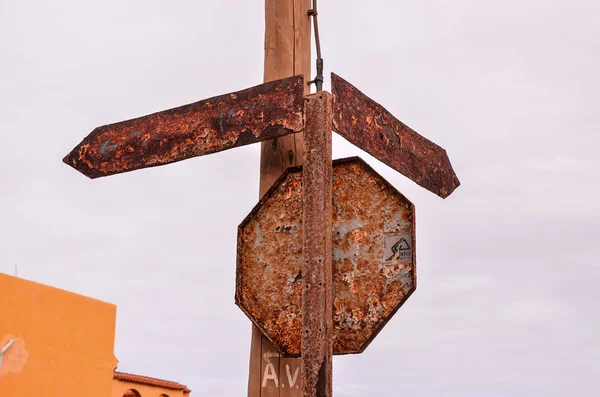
253,115
256,114
368,125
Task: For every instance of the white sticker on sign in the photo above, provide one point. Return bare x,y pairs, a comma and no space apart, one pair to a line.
398,248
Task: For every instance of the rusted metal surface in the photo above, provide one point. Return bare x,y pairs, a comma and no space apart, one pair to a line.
317,361
373,258
372,128
256,114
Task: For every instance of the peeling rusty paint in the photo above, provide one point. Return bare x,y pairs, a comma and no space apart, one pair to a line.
317,294
253,115
368,125
368,289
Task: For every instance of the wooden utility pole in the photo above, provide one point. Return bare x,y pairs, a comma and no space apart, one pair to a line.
287,53
274,110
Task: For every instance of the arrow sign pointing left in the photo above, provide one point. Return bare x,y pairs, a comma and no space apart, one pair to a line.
256,114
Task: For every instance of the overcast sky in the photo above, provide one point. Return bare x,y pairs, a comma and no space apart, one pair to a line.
508,298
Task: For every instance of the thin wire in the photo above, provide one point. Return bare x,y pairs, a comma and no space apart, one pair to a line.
319,77
316,22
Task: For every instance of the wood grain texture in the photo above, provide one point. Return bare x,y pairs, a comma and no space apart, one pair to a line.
287,53
270,376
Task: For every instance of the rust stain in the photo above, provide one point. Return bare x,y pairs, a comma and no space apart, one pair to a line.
317,293
369,284
368,125
253,115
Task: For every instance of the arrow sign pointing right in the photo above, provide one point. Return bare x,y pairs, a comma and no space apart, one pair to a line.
368,125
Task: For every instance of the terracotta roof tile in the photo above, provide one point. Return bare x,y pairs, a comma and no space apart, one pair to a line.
145,380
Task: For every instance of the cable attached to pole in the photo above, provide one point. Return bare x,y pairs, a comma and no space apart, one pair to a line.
319,77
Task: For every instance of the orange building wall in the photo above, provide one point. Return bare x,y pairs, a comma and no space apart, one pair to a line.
121,387
63,342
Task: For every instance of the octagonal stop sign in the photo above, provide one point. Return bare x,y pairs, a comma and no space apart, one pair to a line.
373,243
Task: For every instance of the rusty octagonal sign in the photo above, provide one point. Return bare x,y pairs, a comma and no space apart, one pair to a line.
373,241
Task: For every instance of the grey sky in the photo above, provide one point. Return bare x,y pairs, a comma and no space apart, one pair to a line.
507,303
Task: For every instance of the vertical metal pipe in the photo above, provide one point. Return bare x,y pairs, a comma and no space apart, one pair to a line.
317,291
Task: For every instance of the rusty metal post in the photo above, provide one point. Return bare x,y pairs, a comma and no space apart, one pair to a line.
317,292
